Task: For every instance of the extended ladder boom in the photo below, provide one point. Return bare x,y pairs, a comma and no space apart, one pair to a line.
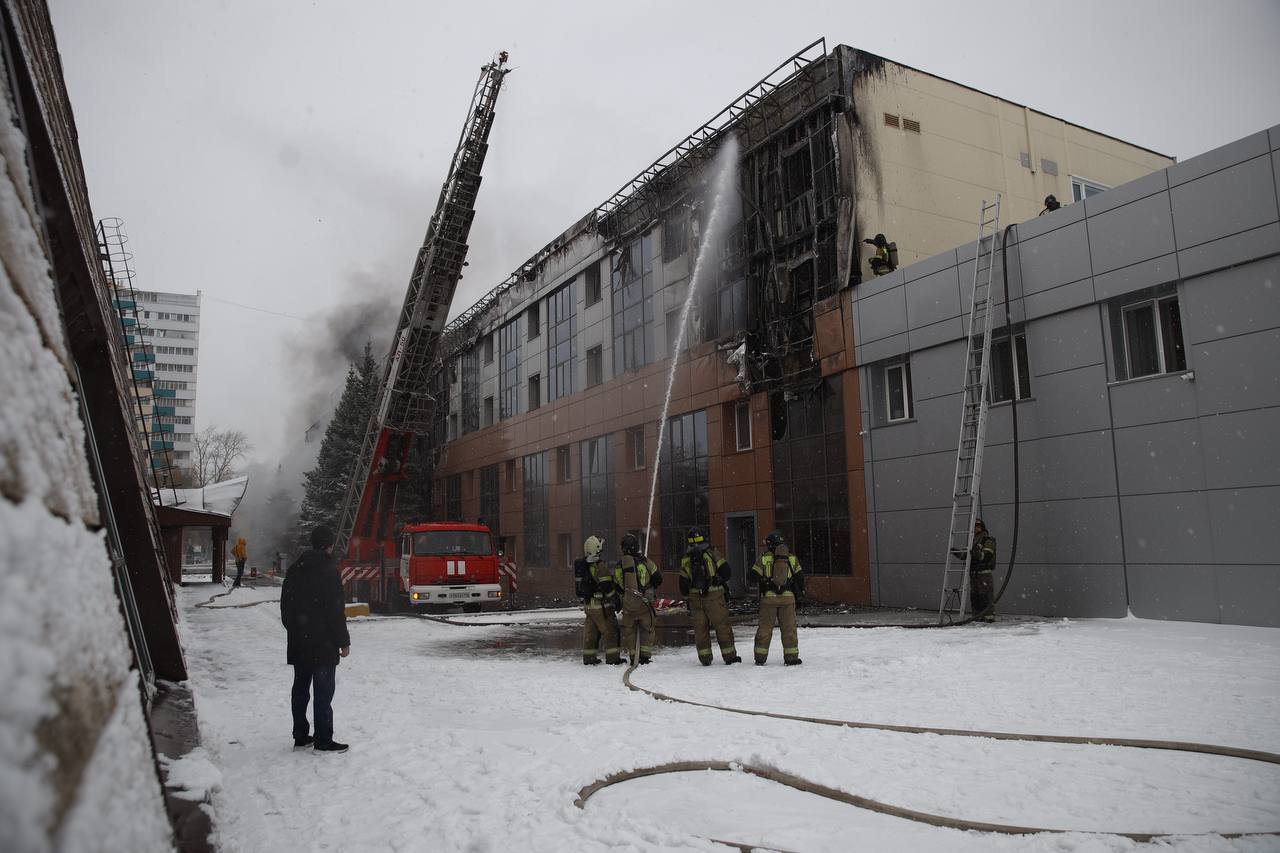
973,421
404,406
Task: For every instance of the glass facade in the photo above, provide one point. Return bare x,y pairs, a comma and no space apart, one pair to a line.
632,285
453,498
597,491
562,328
536,511
509,390
810,480
684,480
470,390
490,500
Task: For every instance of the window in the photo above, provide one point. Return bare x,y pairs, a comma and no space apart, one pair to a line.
673,331
453,426
675,231
597,491
534,317
563,463
511,476
810,478
490,502
508,371
449,543
566,549
595,366
742,424
1082,188
470,390
536,511
453,498
683,474
632,284
593,282
562,328
635,447
897,391
1005,381
488,348
1150,338
535,391
488,411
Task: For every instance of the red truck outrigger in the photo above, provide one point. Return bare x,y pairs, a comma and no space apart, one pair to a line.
369,559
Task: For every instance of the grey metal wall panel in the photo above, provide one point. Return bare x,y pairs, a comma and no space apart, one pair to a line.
1275,137
1183,592
1131,233
1164,457
1167,528
1071,400
884,348
923,337
1246,524
873,285
1047,302
1000,424
1060,589
933,298
1060,218
1150,273
1085,528
1228,251
938,371
1227,202
937,263
911,585
1237,373
1242,449
913,536
1247,148
883,315
1032,515
1249,595
1153,399
1056,258
1147,185
936,428
913,482
1076,465
1064,341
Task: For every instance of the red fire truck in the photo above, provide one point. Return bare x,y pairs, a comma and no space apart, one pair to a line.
449,563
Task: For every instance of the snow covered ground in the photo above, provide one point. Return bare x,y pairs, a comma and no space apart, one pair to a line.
485,750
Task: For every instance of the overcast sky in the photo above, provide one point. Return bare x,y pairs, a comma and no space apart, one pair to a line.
287,155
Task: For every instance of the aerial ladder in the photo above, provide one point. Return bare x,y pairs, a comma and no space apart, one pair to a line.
405,408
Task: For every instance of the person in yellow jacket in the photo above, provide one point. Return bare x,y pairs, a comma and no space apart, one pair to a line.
240,551
704,582
636,576
599,594
781,580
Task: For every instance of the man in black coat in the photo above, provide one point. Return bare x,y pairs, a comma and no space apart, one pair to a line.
314,615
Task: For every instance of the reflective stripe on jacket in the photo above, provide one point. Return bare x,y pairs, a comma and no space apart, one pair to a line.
707,572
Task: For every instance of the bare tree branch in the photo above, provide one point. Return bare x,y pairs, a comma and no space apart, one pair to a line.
217,454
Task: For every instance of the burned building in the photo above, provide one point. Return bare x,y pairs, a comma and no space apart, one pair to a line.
555,380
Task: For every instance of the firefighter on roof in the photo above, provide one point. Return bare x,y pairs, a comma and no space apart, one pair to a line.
882,261
704,582
594,585
637,577
781,580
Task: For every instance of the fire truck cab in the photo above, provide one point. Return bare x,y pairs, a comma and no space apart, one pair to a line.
449,563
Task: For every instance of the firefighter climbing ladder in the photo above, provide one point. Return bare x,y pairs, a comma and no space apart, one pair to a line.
973,421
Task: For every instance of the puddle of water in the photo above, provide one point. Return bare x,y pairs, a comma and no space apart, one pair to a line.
561,640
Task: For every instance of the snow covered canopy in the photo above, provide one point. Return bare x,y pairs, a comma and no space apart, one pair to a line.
215,498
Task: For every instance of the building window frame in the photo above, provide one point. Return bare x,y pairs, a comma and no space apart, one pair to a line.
1005,349
592,276
564,465
535,392
635,448
1167,346
562,333
509,371
897,377
1083,188
595,366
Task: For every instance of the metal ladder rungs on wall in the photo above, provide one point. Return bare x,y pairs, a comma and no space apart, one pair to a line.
973,422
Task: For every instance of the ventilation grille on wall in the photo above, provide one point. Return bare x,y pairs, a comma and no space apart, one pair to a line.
890,120
1049,167
911,125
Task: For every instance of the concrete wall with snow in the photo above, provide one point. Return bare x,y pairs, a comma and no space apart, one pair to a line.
76,765
1159,494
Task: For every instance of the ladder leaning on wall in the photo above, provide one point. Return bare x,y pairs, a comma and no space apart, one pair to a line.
973,422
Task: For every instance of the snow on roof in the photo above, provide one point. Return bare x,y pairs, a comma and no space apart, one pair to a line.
217,498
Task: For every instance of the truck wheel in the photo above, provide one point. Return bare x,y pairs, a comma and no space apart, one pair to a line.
471,608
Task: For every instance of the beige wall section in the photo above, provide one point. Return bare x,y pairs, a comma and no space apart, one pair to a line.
922,190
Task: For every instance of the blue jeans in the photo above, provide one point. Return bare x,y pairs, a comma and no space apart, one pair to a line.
325,680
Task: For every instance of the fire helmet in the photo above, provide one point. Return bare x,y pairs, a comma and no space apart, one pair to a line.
773,540
630,544
592,548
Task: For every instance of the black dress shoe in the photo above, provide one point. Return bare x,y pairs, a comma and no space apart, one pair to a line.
305,740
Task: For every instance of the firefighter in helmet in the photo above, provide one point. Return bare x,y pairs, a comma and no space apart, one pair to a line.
594,584
636,577
704,582
881,261
781,580
982,563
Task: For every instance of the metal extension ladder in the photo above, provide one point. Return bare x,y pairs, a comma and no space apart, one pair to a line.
973,422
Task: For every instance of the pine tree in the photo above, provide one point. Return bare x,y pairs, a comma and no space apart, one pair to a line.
325,485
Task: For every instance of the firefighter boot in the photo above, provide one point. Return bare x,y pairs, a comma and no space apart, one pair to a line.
732,659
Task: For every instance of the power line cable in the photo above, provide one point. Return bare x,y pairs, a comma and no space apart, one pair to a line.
259,310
